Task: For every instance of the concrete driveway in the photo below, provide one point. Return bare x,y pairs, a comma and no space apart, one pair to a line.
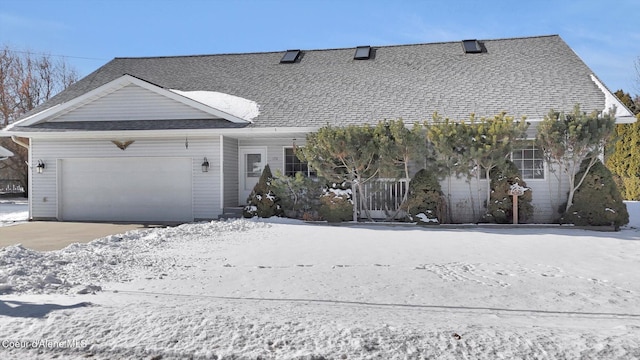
55,235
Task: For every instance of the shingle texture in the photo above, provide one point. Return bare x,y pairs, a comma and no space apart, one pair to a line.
522,76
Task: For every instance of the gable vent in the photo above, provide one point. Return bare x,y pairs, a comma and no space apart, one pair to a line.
290,56
471,46
362,53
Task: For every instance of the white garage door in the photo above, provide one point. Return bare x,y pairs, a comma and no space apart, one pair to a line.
126,189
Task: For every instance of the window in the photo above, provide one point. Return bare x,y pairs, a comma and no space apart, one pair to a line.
290,56
292,164
471,46
254,165
529,161
362,53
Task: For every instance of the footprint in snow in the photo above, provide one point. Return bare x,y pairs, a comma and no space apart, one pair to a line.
503,273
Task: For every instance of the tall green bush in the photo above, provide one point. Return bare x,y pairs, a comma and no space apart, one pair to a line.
468,147
299,195
344,154
568,139
624,162
425,202
597,201
263,202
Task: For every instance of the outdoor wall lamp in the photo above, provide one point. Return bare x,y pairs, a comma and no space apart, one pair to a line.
205,165
40,166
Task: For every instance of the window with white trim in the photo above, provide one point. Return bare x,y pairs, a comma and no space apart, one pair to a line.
292,164
530,161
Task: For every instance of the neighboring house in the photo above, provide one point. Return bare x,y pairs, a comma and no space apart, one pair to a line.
132,140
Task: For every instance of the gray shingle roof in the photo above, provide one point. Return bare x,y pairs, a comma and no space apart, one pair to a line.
523,76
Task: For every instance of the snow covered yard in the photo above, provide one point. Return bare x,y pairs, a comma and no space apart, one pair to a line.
288,290
13,211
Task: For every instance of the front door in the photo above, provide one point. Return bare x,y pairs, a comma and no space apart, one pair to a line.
252,161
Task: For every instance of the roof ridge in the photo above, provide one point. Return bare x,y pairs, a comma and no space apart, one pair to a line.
328,49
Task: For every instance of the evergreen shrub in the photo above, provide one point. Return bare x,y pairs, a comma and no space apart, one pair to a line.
336,203
263,202
299,195
425,201
597,201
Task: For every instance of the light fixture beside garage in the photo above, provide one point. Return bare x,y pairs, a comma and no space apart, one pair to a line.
205,165
40,166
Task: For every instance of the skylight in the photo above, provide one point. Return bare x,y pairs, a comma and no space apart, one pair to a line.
362,53
290,56
471,46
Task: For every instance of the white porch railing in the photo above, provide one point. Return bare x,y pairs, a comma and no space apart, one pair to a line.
382,197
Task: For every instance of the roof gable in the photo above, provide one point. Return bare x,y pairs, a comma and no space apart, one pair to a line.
140,100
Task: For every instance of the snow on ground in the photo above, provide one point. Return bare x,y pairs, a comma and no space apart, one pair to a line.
282,289
13,211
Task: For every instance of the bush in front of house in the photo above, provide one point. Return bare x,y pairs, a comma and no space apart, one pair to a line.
597,201
425,202
336,203
263,202
500,207
299,195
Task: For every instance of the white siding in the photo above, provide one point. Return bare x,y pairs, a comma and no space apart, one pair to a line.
206,186
230,150
545,198
463,198
132,103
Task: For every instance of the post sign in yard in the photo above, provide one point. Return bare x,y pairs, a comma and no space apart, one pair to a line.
515,191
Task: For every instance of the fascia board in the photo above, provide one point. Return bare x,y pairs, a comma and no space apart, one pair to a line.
250,132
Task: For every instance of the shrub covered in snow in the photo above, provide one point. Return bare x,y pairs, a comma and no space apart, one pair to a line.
299,195
263,202
336,203
425,202
500,207
597,201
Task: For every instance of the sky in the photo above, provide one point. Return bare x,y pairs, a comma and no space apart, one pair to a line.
89,33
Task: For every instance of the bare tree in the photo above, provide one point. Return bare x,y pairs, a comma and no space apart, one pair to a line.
26,81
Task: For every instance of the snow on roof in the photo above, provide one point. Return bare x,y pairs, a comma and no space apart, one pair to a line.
243,108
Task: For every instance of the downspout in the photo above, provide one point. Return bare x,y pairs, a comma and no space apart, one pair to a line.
30,180
19,142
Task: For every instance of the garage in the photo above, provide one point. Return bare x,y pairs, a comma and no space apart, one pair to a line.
125,189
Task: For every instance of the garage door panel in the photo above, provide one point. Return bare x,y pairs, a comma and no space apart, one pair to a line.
126,189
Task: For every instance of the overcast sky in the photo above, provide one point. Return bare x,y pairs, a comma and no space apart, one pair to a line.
605,34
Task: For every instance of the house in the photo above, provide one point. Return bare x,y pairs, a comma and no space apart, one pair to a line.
181,138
